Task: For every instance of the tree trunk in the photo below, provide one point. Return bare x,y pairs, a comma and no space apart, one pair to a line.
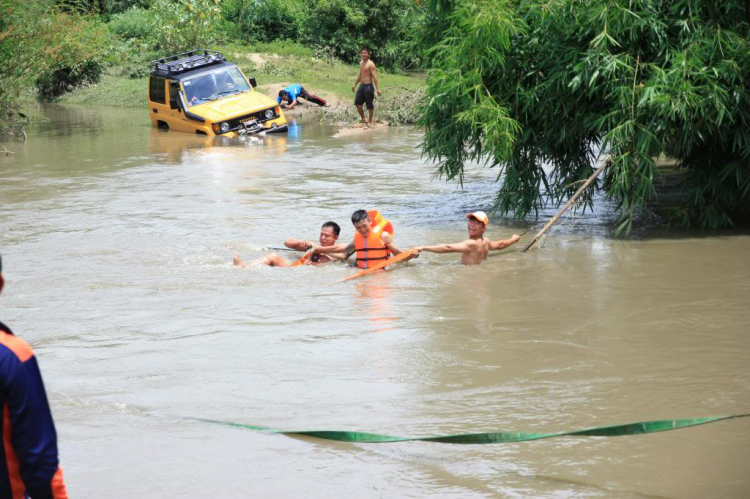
567,205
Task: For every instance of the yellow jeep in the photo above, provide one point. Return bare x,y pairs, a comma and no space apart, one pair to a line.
200,92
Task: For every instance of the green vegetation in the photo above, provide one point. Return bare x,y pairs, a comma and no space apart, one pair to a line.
333,28
537,88
44,45
111,90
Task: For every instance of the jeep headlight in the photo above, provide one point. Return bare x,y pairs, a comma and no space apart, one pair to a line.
269,114
224,127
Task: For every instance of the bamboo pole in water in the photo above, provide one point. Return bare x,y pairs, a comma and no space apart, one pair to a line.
565,208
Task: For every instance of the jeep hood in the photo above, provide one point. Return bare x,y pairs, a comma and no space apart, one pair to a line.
233,106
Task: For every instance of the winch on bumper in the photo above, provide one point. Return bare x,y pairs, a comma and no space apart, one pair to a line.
268,120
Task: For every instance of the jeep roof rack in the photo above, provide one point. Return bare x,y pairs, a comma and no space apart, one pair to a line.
186,61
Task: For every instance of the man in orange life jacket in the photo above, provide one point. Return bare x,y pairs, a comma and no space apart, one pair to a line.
373,241
28,456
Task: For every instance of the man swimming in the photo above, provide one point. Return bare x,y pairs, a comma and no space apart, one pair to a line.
475,249
329,233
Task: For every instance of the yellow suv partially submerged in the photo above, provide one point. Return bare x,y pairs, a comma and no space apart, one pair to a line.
200,92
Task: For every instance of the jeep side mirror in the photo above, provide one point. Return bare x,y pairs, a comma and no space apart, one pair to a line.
253,83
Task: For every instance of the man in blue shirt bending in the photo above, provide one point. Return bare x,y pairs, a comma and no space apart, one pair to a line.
293,92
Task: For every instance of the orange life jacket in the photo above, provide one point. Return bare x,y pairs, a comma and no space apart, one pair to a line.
371,250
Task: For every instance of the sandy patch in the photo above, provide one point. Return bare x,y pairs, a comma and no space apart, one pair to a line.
361,129
259,59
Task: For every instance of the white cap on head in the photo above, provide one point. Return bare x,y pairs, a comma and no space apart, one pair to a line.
479,216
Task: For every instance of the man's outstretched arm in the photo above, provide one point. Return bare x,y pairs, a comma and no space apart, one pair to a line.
463,247
504,243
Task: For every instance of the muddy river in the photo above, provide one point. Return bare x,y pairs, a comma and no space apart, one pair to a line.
117,245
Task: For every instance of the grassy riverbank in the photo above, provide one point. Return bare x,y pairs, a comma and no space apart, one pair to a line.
274,66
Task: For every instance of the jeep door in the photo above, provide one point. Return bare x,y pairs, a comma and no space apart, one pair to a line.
158,107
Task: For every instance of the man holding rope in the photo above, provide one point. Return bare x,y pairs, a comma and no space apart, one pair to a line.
373,241
329,233
475,249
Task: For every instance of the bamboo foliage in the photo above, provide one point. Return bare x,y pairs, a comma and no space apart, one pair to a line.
463,119
540,88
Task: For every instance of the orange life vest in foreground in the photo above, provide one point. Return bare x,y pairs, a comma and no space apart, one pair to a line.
371,250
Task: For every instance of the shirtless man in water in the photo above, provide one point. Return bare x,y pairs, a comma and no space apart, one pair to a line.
366,92
329,233
475,249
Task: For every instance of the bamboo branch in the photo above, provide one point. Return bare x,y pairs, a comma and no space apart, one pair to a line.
567,205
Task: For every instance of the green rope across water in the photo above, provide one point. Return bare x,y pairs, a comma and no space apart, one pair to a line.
498,437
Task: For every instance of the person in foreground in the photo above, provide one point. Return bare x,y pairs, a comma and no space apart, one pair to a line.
475,249
292,93
329,234
29,465
373,241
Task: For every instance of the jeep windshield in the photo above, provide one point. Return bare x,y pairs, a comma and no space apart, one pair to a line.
212,86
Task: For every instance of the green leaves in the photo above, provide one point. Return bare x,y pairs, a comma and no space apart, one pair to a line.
539,87
338,28
181,25
38,39
464,120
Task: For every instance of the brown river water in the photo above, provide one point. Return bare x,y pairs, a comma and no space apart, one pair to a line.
117,241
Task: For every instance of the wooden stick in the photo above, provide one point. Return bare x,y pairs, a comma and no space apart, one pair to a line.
567,205
304,258
394,259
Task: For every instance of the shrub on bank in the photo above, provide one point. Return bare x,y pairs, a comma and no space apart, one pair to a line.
335,29
266,20
385,26
132,24
185,25
39,39
61,80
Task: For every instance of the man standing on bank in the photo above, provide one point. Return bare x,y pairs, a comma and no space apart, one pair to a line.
475,249
28,458
366,92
